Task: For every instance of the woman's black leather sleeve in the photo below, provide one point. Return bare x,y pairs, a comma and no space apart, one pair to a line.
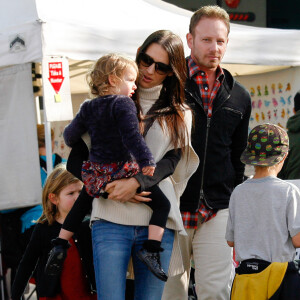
165,167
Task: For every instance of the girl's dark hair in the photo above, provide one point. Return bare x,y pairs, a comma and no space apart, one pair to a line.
169,106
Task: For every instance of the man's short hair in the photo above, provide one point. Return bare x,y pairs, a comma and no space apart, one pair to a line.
209,11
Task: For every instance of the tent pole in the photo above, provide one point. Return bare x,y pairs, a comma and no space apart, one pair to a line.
38,110
48,143
47,125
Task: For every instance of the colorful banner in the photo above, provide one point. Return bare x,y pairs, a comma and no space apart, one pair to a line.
272,95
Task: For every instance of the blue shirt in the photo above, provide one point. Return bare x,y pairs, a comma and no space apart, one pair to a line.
30,217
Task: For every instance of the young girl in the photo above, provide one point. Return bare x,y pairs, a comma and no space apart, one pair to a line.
77,277
111,120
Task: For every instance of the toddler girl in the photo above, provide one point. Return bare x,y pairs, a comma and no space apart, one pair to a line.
112,121
77,277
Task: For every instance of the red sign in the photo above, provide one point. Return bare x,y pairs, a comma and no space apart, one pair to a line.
56,75
249,17
232,3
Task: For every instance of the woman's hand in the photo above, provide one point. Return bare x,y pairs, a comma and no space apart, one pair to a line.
123,190
140,198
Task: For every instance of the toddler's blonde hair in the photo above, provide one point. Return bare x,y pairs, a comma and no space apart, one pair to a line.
110,64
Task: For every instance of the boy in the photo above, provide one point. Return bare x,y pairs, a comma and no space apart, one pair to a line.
264,222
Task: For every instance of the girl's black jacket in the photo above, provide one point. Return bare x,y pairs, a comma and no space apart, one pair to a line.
36,256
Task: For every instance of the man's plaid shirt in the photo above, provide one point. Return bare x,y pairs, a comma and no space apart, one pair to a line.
204,214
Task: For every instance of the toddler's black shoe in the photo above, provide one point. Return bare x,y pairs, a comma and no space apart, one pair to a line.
57,256
152,261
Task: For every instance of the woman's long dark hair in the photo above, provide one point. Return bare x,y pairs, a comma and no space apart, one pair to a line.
169,106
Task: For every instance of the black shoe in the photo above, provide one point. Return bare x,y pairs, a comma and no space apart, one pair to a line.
152,261
56,257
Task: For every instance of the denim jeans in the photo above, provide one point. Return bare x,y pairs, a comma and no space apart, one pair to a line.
113,245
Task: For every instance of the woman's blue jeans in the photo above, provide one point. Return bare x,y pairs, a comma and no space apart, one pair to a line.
113,245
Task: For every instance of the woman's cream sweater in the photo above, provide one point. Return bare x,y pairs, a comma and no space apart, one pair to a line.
139,214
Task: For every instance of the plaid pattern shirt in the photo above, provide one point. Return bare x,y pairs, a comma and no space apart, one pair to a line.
201,78
204,214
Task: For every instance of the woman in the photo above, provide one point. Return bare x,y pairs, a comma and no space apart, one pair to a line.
161,91
120,222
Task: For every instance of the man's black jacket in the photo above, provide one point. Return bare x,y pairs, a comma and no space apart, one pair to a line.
219,142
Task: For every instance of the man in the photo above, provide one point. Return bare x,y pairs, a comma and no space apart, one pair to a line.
291,167
56,159
222,110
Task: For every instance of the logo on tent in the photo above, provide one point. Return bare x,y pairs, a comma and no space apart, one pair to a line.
17,44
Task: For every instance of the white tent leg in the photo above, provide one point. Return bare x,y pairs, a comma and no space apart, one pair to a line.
48,141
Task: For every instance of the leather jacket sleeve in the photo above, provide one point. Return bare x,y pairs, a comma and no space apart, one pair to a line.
165,167
239,143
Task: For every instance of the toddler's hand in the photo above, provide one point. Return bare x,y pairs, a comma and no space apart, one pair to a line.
149,170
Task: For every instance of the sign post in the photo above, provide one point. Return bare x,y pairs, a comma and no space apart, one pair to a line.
56,98
56,78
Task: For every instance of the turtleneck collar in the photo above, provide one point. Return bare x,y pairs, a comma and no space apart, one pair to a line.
148,97
150,94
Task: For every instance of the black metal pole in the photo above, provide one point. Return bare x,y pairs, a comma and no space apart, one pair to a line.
1,273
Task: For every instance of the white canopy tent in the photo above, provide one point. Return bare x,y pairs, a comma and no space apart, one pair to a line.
86,30
83,31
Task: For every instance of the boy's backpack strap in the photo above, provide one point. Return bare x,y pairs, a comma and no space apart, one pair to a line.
43,164
57,161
